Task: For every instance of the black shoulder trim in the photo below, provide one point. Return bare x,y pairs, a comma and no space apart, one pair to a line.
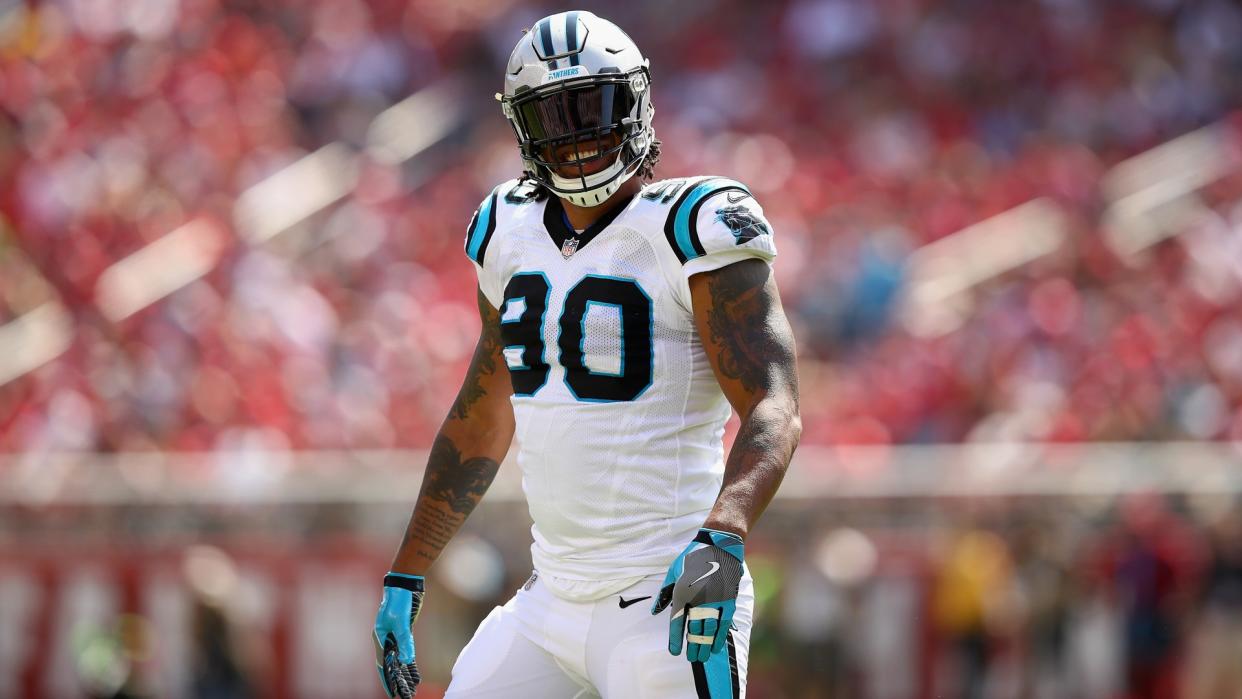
482,226
682,226
694,211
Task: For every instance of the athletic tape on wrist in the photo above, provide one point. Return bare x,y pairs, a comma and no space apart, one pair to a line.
413,583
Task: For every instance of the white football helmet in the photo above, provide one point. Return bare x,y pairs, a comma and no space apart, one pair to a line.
578,95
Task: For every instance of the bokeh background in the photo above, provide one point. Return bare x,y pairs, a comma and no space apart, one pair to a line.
234,310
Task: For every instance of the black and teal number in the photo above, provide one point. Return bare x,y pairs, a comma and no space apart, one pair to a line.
664,191
580,331
635,310
526,331
524,192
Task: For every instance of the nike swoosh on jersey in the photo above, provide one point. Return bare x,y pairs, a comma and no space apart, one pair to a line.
623,602
715,567
735,197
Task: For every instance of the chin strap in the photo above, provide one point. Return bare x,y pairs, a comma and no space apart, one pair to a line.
594,194
593,197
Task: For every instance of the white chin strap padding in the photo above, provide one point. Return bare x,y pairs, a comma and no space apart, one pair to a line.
596,193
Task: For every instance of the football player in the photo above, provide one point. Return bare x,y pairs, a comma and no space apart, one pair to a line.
621,320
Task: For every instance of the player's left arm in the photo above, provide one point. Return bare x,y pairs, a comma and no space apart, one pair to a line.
750,345
743,328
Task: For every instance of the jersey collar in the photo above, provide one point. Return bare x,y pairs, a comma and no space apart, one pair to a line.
554,222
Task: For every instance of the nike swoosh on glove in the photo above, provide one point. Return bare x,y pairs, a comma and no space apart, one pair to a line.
394,638
701,588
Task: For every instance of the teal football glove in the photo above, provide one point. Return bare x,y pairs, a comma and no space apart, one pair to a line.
701,587
394,639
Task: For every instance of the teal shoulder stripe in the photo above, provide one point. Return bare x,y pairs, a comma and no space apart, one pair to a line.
481,229
682,225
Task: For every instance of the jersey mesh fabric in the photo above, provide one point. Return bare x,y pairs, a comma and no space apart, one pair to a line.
615,489
603,345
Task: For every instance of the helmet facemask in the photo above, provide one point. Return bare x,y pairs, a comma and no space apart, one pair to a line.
583,138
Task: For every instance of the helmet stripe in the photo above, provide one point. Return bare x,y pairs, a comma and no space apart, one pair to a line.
558,35
545,35
571,36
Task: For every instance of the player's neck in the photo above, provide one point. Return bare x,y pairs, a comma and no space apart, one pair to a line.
581,217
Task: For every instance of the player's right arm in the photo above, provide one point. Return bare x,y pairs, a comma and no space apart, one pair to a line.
464,458
466,452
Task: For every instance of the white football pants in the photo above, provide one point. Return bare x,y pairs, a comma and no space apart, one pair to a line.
539,646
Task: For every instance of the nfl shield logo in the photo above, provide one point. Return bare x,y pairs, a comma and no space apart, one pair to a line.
569,248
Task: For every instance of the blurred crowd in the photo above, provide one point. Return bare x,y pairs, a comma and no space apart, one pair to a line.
1058,598
867,129
1138,597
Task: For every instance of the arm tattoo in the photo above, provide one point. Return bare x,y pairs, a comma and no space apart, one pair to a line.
746,331
738,324
484,361
451,489
481,424
454,483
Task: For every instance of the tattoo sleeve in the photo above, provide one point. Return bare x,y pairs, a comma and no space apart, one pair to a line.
466,453
751,348
451,489
483,365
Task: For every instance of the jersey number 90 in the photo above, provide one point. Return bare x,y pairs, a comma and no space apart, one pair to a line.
524,332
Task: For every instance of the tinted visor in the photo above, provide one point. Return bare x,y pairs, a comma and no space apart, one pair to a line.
574,112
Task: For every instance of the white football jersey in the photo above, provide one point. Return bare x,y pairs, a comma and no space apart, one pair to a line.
619,417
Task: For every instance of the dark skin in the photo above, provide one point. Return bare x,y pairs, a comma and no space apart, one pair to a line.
466,452
581,217
743,328
738,312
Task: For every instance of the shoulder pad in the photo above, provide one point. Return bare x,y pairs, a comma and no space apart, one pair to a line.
482,226
522,192
664,191
681,226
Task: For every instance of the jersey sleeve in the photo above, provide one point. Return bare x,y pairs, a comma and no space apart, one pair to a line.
716,223
478,239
